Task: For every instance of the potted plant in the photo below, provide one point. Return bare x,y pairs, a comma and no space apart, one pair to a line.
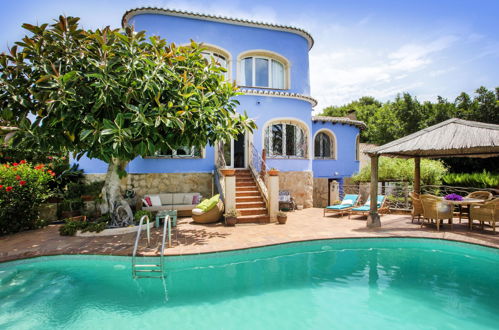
227,171
231,217
282,217
273,172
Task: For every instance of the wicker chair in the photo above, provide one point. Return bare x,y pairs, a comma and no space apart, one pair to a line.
210,216
487,212
480,194
436,209
417,207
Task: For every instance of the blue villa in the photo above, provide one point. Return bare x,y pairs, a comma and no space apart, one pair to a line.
270,63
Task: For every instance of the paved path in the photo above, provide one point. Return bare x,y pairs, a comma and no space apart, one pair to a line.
191,238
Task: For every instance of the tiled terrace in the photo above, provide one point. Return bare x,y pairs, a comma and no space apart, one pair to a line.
191,238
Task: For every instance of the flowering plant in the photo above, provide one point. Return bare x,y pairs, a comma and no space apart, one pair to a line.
454,197
22,189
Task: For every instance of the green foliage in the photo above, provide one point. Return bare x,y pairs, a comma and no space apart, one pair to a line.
476,180
70,227
398,169
22,189
113,94
405,115
140,213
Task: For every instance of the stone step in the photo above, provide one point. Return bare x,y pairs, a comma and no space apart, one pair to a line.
254,211
253,219
247,193
241,174
246,188
249,205
249,199
244,180
246,184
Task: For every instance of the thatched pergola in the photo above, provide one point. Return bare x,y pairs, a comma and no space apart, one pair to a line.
451,138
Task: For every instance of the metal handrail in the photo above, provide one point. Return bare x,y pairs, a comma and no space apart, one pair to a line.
139,230
258,168
167,220
166,223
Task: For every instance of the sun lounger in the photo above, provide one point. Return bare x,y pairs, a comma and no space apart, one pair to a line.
348,202
364,209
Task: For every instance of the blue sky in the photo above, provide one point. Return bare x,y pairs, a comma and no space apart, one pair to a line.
363,47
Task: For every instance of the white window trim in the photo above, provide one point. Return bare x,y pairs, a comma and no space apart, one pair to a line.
291,121
268,55
334,144
175,156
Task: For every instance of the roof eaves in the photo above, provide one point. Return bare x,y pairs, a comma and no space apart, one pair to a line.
224,19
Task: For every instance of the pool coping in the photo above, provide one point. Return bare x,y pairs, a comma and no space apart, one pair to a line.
68,253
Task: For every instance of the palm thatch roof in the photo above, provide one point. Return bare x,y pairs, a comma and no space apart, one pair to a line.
453,137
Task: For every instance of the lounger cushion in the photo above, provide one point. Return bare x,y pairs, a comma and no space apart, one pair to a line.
362,208
208,204
155,200
339,207
197,211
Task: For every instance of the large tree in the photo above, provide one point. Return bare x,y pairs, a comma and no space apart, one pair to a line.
114,95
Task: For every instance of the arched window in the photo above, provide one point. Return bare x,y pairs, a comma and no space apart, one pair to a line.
219,55
324,146
263,69
285,139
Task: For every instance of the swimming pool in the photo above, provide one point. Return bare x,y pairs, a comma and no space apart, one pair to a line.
328,284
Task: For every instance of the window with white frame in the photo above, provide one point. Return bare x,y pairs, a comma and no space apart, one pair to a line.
259,71
181,152
324,145
219,58
285,140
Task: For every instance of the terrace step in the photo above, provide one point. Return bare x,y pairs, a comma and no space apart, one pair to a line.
245,180
248,199
249,205
249,188
255,193
245,183
253,211
253,219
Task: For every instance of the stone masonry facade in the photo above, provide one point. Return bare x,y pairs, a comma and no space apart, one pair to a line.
155,183
300,185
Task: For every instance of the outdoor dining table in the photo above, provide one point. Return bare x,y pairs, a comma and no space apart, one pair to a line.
465,201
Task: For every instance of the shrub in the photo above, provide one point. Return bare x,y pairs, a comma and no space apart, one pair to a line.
22,189
72,226
476,180
398,169
139,214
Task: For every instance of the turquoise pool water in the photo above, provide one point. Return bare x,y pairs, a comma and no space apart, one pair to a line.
331,284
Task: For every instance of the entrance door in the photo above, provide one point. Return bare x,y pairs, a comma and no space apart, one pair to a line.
235,152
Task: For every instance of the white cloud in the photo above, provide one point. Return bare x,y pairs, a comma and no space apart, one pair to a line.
342,76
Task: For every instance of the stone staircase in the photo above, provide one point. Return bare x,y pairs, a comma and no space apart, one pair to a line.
249,201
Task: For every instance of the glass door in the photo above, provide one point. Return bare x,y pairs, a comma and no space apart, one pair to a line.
235,152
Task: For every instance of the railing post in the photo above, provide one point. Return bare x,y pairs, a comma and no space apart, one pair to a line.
230,191
373,217
273,196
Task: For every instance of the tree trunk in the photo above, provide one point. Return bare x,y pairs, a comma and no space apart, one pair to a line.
113,201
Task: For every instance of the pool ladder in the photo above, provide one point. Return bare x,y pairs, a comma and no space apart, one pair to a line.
150,270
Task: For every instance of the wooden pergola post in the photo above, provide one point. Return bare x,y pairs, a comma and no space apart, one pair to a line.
373,217
417,175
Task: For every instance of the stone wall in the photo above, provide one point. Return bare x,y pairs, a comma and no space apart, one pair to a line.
321,194
300,185
155,183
